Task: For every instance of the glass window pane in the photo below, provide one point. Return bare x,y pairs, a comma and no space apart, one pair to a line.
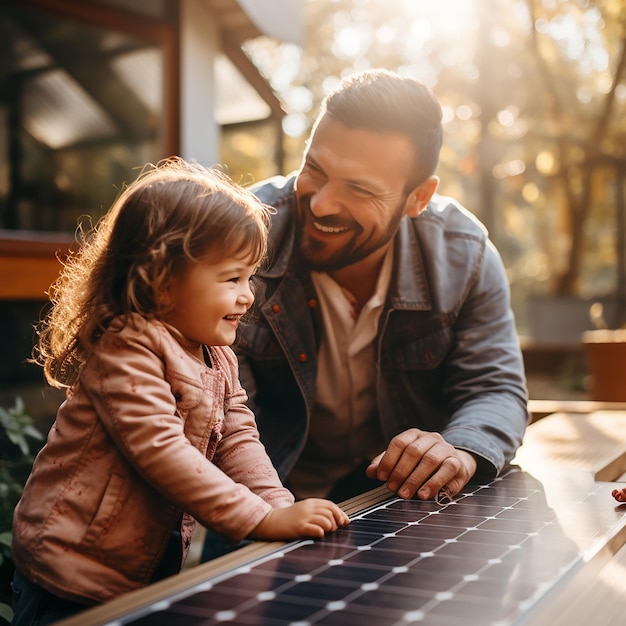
81,110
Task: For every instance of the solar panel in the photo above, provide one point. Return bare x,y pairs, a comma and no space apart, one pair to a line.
486,558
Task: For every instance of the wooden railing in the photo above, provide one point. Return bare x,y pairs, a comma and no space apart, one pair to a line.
29,262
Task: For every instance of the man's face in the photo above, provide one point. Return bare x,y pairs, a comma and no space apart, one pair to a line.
351,193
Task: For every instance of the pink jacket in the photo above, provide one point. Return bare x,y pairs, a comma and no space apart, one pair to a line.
148,433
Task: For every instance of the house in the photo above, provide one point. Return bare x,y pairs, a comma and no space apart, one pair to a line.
90,90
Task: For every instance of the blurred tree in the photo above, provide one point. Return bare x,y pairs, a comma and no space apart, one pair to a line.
580,52
534,99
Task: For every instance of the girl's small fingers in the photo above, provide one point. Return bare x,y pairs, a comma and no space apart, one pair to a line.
313,530
339,515
324,520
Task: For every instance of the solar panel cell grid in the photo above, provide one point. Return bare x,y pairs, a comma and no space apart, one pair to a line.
485,558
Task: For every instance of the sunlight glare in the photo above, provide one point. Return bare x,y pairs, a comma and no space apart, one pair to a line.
530,192
500,38
450,17
545,163
295,124
385,34
447,114
352,41
421,29
505,117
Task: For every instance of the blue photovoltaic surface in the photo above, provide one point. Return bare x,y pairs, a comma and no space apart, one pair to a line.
486,558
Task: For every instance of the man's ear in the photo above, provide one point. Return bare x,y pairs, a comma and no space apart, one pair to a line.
420,196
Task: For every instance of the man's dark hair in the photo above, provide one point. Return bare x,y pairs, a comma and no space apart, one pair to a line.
385,102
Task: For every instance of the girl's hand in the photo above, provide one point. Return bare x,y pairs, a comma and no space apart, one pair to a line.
619,494
307,518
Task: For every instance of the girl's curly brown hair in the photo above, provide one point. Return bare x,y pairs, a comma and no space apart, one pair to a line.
175,213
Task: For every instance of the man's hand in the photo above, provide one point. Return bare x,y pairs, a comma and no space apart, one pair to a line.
422,462
307,518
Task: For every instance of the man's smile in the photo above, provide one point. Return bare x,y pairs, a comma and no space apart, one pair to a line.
329,229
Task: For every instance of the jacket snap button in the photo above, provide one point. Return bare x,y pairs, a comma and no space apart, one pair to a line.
276,308
302,357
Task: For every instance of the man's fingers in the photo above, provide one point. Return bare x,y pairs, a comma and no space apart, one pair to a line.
419,460
387,462
448,475
422,463
428,478
372,468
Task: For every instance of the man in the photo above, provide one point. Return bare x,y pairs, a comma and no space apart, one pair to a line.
382,346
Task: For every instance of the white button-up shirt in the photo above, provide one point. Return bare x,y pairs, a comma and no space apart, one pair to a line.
344,429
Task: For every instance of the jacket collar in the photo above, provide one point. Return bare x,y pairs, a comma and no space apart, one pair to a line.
282,231
409,285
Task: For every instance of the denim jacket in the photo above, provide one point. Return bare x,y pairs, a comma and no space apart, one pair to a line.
447,354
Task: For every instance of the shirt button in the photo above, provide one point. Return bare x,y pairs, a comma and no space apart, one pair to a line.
276,308
302,357
312,303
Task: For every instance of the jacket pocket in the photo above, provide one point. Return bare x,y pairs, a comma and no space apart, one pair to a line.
423,353
108,511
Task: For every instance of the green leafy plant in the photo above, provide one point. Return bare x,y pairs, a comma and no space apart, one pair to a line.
19,441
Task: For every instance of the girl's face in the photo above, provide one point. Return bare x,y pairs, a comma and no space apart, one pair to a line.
209,299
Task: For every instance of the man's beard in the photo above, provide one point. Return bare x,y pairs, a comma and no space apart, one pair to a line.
321,257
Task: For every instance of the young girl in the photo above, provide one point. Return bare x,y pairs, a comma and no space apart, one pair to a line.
154,433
